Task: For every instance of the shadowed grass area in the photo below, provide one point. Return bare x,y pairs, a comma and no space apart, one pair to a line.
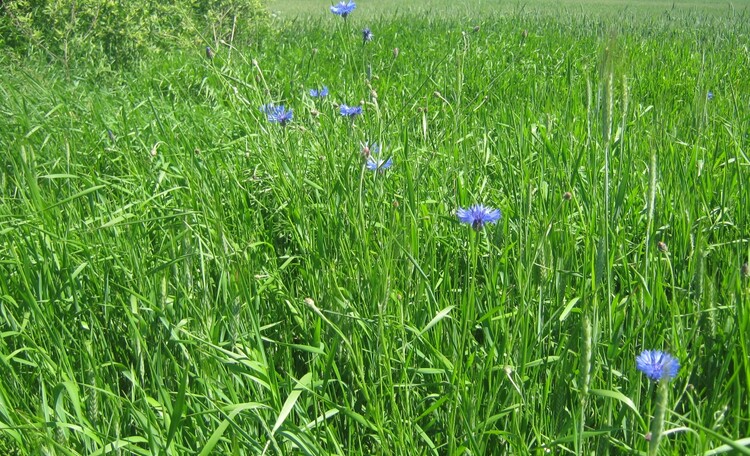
180,275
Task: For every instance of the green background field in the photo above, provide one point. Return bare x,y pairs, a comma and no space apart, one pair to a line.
375,8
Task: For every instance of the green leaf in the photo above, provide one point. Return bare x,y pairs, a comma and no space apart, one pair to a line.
436,319
568,308
619,397
736,445
177,410
128,442
219,432
304,383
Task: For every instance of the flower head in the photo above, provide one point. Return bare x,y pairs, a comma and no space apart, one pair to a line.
350,111
377,164
657,364
373,162
343,9
277,114
367,35
370,149
710,95
319,93
478,215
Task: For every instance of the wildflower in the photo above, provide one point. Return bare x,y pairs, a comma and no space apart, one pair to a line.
343,9
277,114
369,149
657,365
478,215
710,95
661,367
367,35
350,111
377,164
319,93
209,53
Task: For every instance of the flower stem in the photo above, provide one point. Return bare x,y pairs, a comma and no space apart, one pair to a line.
657,425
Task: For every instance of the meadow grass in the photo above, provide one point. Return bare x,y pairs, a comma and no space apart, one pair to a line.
180,276
488,8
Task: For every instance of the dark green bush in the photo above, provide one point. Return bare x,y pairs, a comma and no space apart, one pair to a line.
118,32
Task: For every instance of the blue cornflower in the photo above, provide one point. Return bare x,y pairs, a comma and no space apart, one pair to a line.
350,111
377,164
277,114
478,215
319,93
657,364
343,8
370,149
367,35
373,161
710,95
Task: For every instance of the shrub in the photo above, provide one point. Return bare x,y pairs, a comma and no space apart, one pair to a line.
119,32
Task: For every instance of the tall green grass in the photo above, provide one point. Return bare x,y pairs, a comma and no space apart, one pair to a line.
447,8
179,276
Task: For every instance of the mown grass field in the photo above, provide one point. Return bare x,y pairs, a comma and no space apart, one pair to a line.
178,275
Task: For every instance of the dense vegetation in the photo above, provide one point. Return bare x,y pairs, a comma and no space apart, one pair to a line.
180,275
96,35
